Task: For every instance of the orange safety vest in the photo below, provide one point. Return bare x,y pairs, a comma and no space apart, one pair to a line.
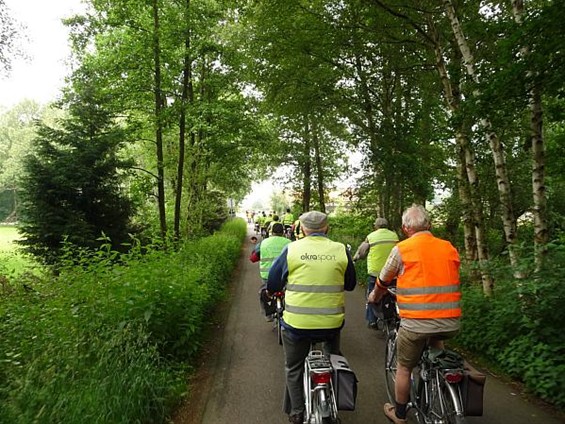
429,287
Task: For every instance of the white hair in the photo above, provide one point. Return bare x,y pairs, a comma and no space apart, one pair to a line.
416,217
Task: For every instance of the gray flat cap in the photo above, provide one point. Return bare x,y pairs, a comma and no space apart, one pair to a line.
314,220
381,223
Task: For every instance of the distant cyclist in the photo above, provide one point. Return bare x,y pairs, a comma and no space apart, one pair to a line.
297,233
276,220
287,221
266,224
375,248
266,252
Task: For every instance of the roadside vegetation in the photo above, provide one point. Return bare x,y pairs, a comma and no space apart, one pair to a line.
111,340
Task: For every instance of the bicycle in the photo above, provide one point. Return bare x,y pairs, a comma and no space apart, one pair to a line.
279,309
330,385
436,383
319,394
288,232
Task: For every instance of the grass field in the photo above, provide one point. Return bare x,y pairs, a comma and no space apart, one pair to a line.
11,261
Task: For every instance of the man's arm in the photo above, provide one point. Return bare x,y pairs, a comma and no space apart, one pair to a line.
256,254
278,273
362,251
391,269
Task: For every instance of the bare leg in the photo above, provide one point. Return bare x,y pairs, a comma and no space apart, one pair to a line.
402,385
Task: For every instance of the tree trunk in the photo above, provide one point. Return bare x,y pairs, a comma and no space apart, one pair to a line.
186,80
158,121
307,171
541,233
475,240
503,182
319,168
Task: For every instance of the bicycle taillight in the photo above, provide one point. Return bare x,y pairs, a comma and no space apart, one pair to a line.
453,376
323,377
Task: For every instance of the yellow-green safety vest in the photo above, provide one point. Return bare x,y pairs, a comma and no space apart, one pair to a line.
314,296
269,250
288,219
381,243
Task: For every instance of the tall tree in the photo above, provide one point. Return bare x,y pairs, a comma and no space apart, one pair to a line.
71,188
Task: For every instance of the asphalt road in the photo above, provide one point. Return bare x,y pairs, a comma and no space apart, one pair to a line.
241,374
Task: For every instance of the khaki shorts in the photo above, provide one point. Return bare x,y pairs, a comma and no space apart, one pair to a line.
410,345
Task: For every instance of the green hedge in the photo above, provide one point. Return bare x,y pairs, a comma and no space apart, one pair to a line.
519,328
111,343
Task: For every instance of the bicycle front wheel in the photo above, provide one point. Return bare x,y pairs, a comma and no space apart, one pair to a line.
390,365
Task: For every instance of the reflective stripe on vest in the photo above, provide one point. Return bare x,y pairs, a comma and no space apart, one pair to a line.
314,297
429,287
269,250
381,242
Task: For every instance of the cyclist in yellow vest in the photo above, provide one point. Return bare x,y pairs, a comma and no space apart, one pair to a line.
257,219
375,248
276,220
266,222
265,253
428,298
297,233
287,220
315,271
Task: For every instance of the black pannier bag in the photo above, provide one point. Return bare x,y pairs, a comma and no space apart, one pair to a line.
344,382
472,390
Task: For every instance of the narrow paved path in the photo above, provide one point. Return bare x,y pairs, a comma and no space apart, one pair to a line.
241,378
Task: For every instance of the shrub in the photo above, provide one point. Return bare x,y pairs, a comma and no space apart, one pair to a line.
73,347
519,329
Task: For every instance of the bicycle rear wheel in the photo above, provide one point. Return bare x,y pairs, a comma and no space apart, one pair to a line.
390,365
452,398
322,408
279,327
441,407
278,319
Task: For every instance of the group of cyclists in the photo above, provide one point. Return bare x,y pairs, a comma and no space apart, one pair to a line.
315,271
263,223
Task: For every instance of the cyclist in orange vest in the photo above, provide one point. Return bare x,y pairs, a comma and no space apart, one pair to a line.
428,297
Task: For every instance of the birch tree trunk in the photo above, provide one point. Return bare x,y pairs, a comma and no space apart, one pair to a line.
541,233
502,180
475,240
537,143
